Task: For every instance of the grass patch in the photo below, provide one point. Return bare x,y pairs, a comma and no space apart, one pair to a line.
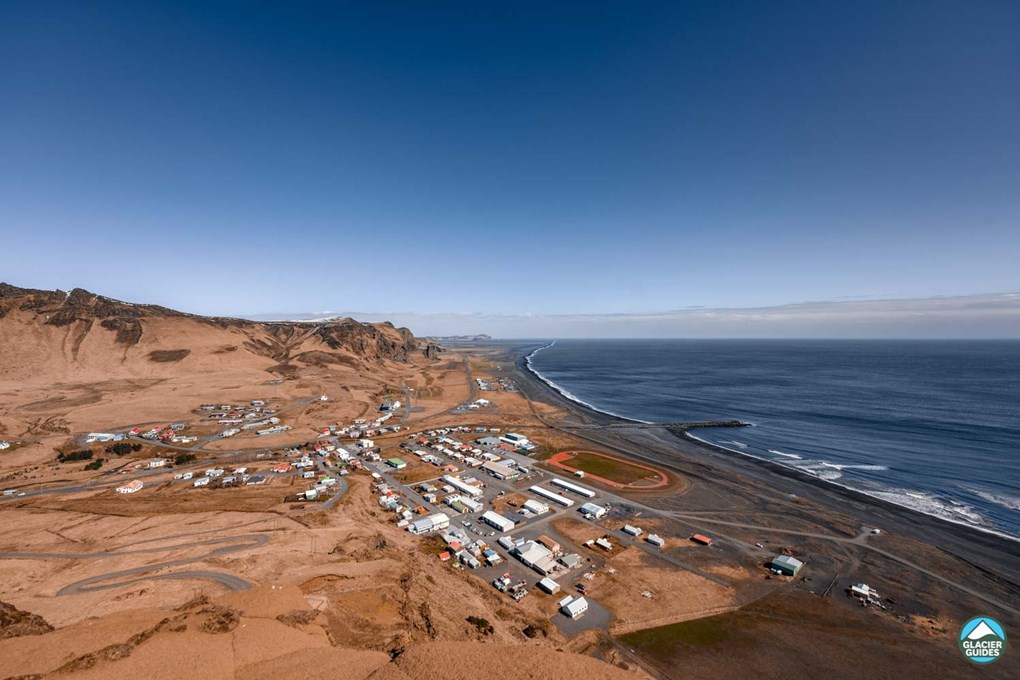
663,643
607,468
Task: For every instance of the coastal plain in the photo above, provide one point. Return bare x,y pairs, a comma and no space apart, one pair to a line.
261,581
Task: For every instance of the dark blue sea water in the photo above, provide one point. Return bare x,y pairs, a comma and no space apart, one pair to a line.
933,425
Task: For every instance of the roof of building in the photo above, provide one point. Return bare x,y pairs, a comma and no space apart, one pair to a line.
576,606
571,560
498,469
548,542
788,561
532,552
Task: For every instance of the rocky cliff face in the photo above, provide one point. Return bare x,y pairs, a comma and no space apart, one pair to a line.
80,320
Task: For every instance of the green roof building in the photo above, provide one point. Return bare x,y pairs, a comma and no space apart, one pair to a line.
786,565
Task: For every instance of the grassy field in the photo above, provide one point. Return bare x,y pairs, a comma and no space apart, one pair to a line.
663,642
612,469
416,472
792,634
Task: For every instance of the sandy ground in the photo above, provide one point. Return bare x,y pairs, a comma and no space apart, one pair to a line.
346,587
363,583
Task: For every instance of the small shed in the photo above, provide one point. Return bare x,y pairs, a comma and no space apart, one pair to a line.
549,543
549,586
570,561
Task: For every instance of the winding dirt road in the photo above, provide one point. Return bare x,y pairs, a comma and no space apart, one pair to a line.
116,579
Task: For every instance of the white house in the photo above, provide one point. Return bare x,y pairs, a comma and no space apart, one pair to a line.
574,607
130,487
535,507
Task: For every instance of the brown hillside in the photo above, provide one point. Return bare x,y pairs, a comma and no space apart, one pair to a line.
81,335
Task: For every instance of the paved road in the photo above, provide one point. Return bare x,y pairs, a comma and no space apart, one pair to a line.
341,485
228,544
860,541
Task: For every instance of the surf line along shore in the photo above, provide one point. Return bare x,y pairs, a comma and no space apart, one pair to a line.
715,467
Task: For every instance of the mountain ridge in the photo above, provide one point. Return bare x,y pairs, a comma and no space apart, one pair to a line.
85,329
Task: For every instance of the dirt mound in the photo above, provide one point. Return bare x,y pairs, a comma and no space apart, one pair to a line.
15,623
298,617
218,619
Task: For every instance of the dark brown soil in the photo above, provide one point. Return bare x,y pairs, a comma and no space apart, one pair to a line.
168,355
15,623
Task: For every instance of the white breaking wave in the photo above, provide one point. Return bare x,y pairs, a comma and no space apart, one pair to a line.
739,445
930,504
840,466
1005,500
817,468
919,501
786,455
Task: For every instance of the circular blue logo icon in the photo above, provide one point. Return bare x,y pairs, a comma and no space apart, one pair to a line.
982,640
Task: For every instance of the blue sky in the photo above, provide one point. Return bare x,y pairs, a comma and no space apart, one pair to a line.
511,159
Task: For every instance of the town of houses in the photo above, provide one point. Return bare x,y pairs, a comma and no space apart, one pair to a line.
465,504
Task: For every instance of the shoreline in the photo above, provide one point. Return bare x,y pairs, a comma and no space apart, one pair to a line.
565,393
836,486
914,523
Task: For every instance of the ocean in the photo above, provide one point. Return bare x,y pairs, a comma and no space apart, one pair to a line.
932,425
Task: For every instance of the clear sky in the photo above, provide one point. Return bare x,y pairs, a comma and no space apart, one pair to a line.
510,158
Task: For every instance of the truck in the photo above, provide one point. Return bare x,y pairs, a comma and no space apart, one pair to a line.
519,590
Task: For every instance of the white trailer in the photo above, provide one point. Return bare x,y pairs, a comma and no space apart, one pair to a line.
551,495
570,486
